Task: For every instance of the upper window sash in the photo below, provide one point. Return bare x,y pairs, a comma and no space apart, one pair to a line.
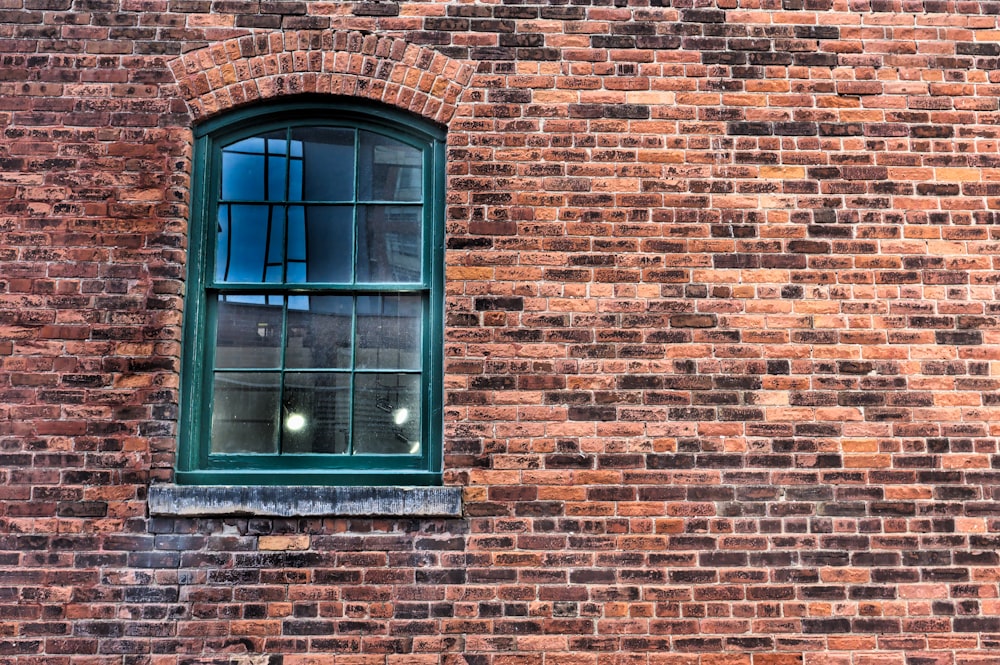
389,247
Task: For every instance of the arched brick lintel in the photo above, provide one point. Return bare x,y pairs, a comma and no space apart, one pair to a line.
256,67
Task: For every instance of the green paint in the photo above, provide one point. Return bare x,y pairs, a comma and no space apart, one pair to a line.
251,462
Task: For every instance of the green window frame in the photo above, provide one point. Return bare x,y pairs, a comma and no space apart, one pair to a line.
312,349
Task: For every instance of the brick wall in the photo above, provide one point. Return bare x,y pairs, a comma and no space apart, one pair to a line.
721,344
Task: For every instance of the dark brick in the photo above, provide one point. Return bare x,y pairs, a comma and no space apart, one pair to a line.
958,337
749,128
703,16
826,626
489,304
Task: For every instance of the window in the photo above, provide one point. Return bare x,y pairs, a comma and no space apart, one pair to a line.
312,344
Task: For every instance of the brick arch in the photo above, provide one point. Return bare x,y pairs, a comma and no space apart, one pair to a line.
245,69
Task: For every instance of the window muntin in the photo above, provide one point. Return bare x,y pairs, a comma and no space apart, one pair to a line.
277,223
321,299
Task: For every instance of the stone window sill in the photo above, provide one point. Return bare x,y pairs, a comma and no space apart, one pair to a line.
166,500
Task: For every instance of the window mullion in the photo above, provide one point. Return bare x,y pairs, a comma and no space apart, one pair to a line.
284,230
282,349
351,394
354,300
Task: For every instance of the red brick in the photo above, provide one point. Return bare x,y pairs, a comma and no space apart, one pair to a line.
721,336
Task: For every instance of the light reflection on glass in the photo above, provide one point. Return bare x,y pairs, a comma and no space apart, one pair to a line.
377,401
313,371
323,402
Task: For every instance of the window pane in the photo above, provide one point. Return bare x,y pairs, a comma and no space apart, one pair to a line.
248,334
249,243
387,414
389,170
276,178
316,413
390,240
243,168
388,332
320,244
319,334
295,257
295,174
254,145
244,412
328,164
242,176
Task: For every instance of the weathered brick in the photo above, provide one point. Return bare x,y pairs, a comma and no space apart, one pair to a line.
719,335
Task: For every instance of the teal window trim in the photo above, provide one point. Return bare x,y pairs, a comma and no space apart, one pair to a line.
196,464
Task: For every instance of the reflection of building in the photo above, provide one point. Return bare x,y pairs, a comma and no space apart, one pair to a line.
281,220
330,220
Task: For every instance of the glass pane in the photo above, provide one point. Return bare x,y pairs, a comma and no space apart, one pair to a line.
320,244
388,332
316,413
248,334
390,241
295,174
242,176
246,170
387,414
296,239
389,170
276,178
319,334
249,243
327,173
253,145
244,412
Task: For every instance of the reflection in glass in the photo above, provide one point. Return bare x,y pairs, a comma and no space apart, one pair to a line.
275,175
316,410
389,170
295,238
388,332
319,336
240,176
387,414
253,145
244,412
309,362
254,169
320,244
389,243
248,335
327,171
249,243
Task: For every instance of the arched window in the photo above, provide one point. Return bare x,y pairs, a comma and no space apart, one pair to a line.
313,332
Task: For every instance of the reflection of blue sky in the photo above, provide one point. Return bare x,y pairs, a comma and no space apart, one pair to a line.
296,245
321,206
262,239
249,243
